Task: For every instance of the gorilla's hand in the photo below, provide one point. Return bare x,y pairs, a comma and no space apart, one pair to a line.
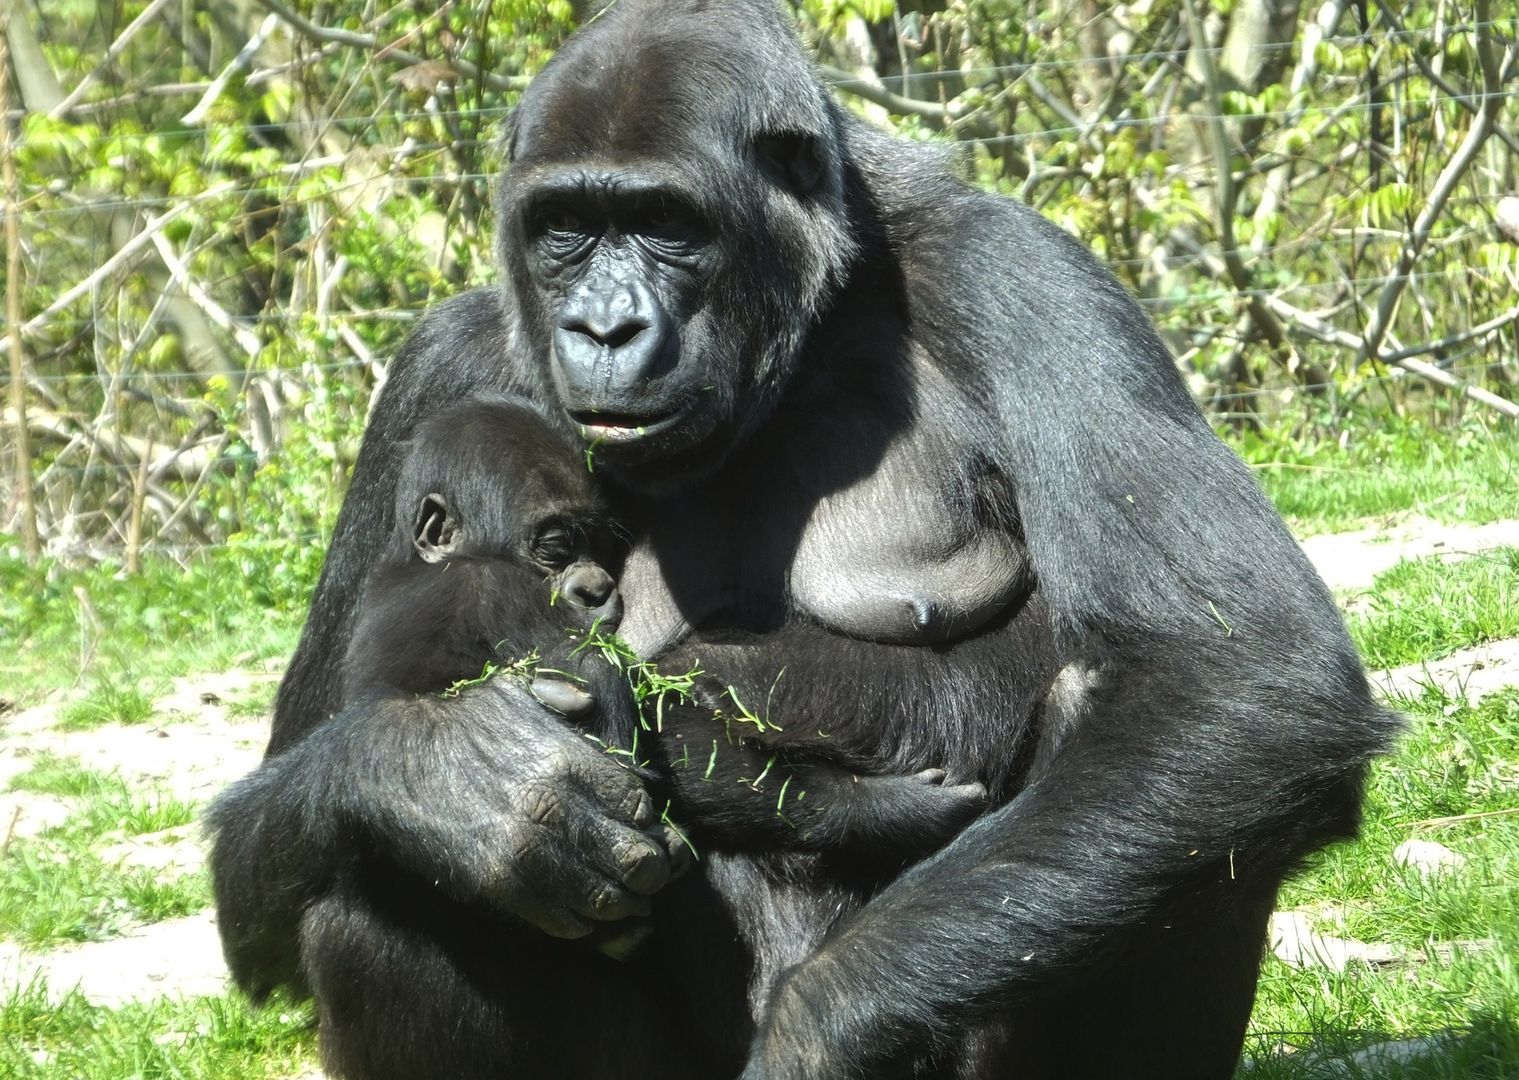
495,798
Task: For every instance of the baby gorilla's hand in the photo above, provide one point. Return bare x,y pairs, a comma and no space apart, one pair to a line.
897,817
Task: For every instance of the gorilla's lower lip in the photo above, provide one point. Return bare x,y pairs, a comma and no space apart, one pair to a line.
623,429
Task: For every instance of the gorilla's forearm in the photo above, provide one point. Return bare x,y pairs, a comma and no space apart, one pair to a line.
488,797
1141,821
273,853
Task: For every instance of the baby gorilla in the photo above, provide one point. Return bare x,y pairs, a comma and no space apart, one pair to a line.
505,549
501,551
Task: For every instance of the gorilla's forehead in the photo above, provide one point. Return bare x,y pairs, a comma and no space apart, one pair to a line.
641,104
660,77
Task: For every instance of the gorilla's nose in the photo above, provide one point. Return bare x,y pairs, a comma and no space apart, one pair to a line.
587,585
610,340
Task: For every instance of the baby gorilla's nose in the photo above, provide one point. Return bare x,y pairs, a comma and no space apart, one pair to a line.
589,586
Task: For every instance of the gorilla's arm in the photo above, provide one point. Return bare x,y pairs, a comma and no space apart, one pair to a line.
741,792
1233,726
487,795
490,794
1140,821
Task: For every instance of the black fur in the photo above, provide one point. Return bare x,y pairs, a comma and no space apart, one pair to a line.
524,577
813,357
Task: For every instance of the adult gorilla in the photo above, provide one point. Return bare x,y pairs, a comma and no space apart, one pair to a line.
818,369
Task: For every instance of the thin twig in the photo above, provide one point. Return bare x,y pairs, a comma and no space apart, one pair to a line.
10,830
1457,819
243,59
247,340
370,43
117,48
1483,123
25,495
1260,313
123,254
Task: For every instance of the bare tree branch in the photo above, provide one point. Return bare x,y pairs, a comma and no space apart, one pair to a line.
122,256
26,504
1482,127
370,43
118,46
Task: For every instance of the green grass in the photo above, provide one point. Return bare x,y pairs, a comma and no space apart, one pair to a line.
1456,762
65,625
104,802
52,774
56,891
258,702
1428,608
109,701
55,888
1385,466
198,1039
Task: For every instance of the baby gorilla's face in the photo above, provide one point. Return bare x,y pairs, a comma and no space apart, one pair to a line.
569,553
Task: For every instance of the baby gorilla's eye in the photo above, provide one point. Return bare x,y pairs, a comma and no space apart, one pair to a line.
553,548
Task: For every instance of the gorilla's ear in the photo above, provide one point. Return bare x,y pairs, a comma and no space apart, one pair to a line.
793,159
435,532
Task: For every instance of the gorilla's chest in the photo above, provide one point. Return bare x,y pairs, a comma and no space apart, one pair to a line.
887,550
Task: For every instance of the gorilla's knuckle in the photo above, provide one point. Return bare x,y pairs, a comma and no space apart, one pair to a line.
542,802
638,807
557,763
642,865
609,902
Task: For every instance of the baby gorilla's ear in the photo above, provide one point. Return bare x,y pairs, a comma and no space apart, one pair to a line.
435,531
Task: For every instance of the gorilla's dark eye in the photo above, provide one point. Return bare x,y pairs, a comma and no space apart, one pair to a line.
554,548
667,223
558,222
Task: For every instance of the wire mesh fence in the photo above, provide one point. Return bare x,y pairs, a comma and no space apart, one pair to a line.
211,273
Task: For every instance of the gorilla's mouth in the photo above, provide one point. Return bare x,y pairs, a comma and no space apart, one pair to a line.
625,429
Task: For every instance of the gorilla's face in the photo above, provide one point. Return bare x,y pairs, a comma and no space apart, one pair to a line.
671,224
620,263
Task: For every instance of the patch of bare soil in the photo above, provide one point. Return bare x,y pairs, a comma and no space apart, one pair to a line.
177,958
1471,673
1351,560
191,748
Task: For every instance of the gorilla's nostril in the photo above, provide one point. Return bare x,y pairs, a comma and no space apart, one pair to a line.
613,336
619,336
588,585
588,596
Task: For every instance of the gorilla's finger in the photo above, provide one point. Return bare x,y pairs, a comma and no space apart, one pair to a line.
677,846
557,922
619,790
563,696
578,886
632,858
530,905
611,903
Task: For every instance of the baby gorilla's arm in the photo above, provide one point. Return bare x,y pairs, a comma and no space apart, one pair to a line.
737,792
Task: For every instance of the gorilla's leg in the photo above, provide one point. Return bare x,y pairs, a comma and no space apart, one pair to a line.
1175,1009
428,992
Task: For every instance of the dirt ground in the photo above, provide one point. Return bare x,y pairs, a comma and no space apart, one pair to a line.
192,748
